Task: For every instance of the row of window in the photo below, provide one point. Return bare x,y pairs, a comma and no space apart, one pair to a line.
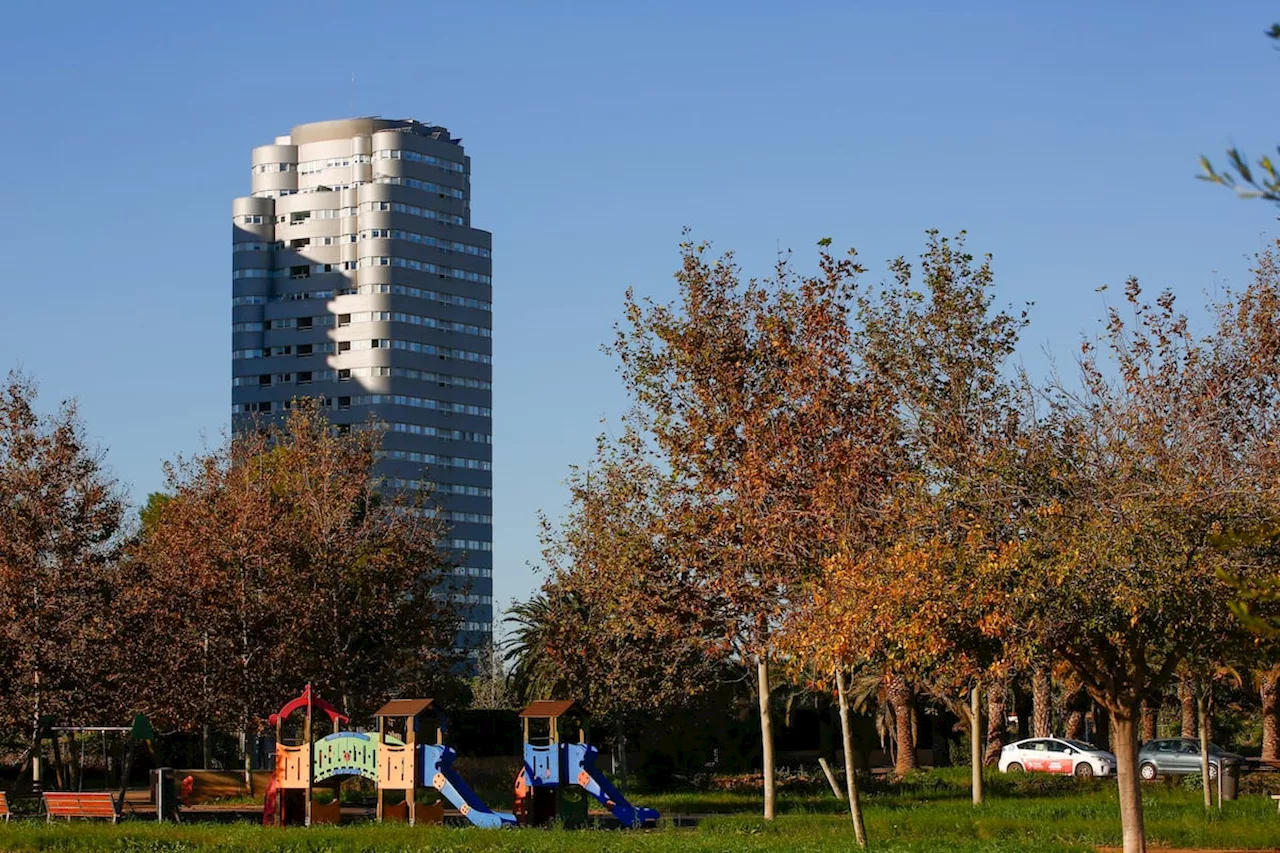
471,572
367,234
347,373
437,432
486,627
400,154
433,459
310,167
467,518
467,544
410,263
443,352
470,598
272,168
343,403
443,488
328,348
418,403
413,210
298,271
406,290
368,289
426,240
399,181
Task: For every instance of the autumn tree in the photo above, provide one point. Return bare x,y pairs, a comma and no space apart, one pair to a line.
641,636
911,602
280,560
718,382
59,516
1149,456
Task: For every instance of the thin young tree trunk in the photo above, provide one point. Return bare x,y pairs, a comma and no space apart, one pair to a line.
1202,707
850,777
996,729
766,735
903,711
975,742
1041,704
1125,742
1269,692
1187,699
205,747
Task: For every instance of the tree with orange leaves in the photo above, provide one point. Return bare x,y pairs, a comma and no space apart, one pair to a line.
734,386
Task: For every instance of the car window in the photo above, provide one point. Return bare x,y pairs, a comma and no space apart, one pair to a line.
1040,746
1057,746
1189,749
1166,746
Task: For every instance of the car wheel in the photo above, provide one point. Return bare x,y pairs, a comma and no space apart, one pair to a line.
1213,772
1148,772
1015,767
1084,770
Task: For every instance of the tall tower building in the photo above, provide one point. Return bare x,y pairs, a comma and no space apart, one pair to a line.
357,278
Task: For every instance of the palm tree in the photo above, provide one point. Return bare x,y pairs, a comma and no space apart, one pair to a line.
536,673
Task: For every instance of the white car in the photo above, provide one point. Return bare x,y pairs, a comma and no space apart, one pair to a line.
1057,755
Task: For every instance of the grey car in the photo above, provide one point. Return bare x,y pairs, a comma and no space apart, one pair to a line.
1180,756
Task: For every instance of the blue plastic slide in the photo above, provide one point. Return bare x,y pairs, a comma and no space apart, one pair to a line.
582,769
438,772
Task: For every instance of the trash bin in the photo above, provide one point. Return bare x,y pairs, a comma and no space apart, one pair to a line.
1230,781
163,794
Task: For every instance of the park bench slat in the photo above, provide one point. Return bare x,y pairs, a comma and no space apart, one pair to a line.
71,804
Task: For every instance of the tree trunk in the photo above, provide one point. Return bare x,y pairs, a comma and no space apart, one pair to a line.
766,735
1041,704
1269,690
1202,706
1074,727
1101,728
996,727
1150,720
620,741
900,700
206,749
850,777
975,742
1125,742
1187,699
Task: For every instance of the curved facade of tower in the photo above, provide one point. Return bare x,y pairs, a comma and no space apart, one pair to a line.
357,278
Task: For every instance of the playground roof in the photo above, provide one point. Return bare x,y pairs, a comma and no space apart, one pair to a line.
549,708
405,707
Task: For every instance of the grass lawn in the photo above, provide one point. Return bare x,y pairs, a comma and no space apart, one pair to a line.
930,812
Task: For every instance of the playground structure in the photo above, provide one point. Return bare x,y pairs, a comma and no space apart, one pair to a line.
68,774
407,758
404,767
557,772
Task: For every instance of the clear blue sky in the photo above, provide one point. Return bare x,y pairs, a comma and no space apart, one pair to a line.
1063,137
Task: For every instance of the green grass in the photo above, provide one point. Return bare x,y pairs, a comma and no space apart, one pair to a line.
927,812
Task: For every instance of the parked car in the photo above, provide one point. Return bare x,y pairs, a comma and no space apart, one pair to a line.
1180,756
1057,755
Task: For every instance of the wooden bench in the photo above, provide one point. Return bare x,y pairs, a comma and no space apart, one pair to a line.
71,804
4,807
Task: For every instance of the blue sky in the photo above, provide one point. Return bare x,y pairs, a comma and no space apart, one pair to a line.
1062,137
